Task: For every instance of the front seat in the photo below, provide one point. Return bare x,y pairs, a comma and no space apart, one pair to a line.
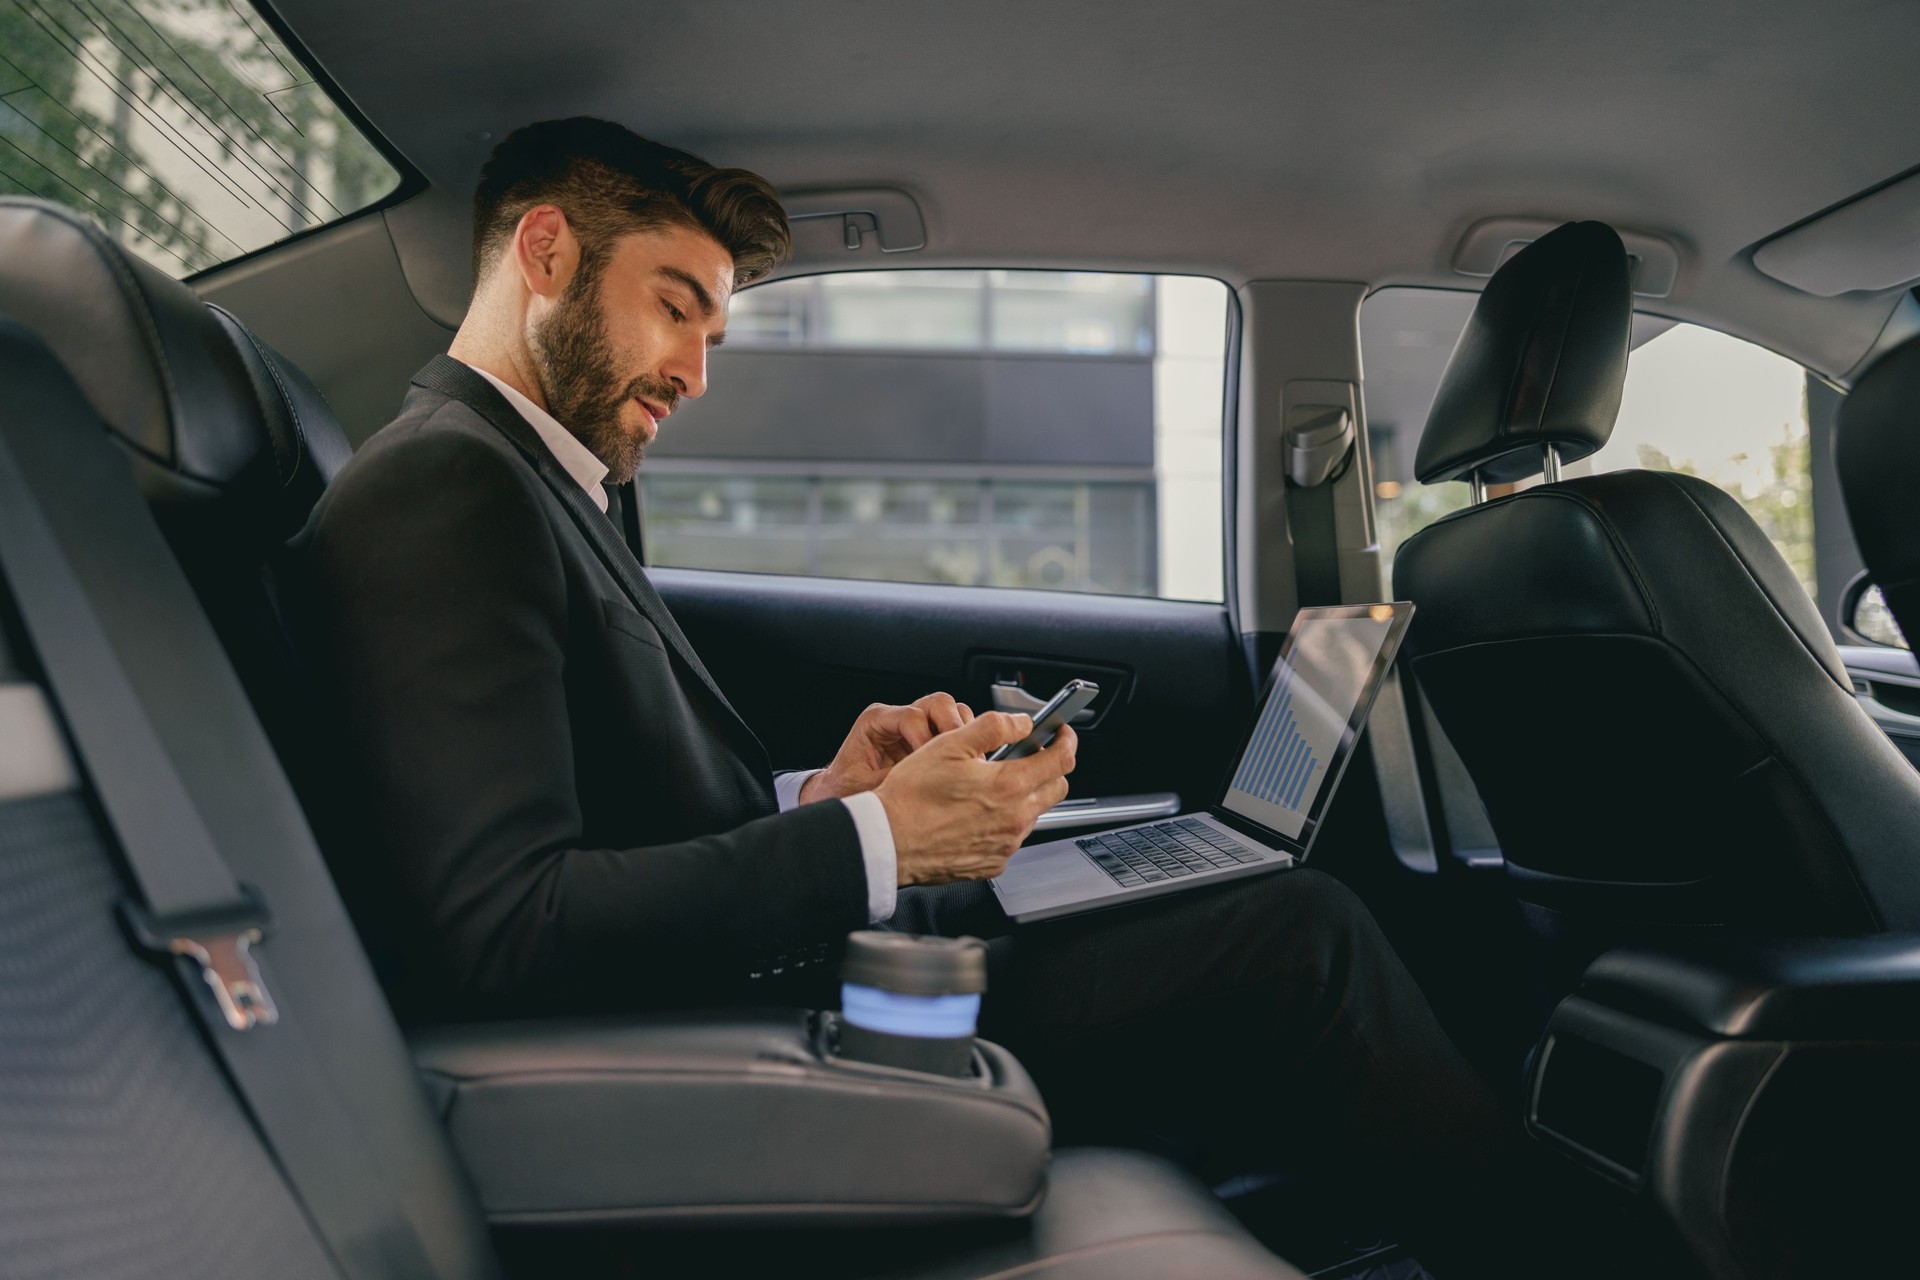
1877,449
1656,719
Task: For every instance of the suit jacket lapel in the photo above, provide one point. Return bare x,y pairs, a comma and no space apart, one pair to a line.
452,378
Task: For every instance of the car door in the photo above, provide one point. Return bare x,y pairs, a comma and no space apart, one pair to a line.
977,481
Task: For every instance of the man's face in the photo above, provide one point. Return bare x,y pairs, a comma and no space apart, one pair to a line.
629,338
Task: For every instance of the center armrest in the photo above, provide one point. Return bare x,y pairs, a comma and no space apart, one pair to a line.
731,1116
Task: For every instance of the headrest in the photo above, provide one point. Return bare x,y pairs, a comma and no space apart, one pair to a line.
1541,361
1877,454
207,410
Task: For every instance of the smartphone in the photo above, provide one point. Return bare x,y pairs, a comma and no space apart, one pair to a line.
1072,699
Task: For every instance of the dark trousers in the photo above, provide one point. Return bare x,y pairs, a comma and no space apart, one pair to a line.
1259,1025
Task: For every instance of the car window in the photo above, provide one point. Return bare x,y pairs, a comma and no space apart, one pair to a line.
1696,401
186,128
1050,429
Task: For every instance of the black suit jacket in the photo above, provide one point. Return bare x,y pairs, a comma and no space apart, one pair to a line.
576,812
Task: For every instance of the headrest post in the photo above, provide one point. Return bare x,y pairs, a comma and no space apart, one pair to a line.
1550,463
1476,488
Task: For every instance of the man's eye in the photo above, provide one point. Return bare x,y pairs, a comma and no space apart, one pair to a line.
677,314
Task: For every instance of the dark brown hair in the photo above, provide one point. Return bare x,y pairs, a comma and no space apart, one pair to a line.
610,181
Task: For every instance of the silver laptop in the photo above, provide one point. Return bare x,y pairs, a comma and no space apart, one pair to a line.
1310,715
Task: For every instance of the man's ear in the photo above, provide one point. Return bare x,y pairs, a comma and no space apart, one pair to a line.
544,251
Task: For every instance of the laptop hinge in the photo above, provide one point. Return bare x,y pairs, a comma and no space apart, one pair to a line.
1254,831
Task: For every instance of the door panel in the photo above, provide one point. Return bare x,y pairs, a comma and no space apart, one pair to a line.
1887,682
801,657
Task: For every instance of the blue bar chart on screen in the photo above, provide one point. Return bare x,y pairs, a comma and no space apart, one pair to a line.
1279,763
1316,687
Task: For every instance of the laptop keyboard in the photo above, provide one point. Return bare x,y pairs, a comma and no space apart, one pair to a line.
1165,851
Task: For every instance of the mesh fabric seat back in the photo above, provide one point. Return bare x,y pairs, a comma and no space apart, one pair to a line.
123,1151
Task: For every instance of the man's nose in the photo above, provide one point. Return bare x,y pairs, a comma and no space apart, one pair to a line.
688,370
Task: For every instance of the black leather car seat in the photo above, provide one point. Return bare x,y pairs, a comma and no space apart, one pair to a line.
231,444
1656,719
1877,449
123,1149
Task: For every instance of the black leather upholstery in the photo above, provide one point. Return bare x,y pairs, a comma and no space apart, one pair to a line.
1860,989
231,443
1648,702
209,410
1877,448
547,1115
1542,361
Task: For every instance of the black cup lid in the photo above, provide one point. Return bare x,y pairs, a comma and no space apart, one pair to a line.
915,965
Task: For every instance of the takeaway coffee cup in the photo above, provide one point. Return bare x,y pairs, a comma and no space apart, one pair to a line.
911,1001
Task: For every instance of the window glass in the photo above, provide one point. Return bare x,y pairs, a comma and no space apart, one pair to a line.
1875,622
1702,403
184,127
926,309
1695,401
1071,311
1047,429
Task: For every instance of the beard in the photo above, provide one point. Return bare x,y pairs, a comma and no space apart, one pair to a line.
585,392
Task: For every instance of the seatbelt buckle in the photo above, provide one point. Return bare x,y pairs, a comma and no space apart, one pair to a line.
221,944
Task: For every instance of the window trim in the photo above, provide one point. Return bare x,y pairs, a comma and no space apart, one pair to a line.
412,181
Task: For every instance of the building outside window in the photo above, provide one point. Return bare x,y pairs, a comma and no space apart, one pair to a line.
1047,429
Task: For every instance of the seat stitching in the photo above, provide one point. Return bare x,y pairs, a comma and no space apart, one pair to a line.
293,412
1751,576
1543,493
110,254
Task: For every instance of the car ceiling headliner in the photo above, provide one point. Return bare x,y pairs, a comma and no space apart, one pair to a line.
1352,140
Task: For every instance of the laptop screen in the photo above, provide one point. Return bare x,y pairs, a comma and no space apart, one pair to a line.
1315,704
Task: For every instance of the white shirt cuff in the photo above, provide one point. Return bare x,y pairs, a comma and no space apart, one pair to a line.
876,847
876,840
786,787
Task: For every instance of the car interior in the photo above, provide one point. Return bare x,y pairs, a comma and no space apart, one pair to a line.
1113,337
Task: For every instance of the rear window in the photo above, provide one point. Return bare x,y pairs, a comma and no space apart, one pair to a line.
185,128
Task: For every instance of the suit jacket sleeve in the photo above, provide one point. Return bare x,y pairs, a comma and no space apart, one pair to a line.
441,590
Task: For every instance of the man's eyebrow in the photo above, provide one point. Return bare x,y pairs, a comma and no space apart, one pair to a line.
701,297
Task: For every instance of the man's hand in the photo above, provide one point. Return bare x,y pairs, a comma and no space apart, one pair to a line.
882,737
957,816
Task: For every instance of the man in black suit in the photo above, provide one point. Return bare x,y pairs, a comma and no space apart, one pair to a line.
583,820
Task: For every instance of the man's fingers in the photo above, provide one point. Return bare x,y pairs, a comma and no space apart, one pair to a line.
942,712
994,729
966,712
1056,761
908,725
1067,744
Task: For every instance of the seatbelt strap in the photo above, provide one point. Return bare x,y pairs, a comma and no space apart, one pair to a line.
191,905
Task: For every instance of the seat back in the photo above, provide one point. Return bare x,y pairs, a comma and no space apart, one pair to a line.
1877,452
230,442
231,445
124,1149
1658,723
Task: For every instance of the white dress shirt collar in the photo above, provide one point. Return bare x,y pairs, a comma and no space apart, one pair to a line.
574,458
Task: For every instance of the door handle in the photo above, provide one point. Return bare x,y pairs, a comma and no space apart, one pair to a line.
1014,700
